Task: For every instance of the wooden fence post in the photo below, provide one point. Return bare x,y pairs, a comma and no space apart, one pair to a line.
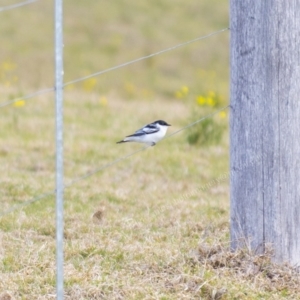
265,127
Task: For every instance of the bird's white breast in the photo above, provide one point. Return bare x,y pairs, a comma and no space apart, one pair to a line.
161,133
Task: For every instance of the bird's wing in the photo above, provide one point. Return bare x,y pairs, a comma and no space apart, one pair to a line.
150,128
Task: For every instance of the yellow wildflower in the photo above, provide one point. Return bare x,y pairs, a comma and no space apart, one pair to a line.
103,101
184,90
211,94
89,84
201,100
146,93
178,94
19,103
222,114
8,66
129,88
210,101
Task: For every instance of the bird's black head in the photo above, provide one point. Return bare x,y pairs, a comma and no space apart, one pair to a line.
161,122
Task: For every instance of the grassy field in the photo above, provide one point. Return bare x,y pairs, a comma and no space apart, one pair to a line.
156,225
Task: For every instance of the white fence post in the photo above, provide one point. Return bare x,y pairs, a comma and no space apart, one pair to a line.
59,149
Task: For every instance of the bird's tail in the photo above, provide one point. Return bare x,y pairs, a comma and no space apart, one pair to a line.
120,142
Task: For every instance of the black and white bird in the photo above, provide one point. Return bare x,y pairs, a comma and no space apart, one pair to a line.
149,134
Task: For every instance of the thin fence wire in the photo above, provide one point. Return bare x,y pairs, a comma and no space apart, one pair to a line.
16,5
51,89
80,178
26,97
146,57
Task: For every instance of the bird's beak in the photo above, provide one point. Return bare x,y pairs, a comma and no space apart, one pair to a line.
169,124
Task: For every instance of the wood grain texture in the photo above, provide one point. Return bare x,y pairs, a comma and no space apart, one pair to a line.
265,126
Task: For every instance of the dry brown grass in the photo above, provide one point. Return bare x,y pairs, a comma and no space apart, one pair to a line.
128,229
151,227
260,273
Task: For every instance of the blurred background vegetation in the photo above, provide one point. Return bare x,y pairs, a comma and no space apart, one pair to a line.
99,35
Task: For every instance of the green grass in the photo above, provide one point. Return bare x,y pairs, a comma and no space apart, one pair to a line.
154,226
